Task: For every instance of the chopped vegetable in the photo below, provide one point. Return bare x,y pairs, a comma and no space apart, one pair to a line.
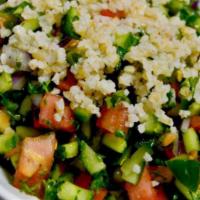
92,162
5,82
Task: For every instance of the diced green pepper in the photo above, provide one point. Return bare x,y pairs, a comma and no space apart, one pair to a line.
5,82
73,57
67,23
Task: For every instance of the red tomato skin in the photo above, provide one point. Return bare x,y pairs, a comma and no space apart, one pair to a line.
83,180
160,193
143,190
195,122
108,13
35,161
68,82
176,87
113,119
100,194
47,111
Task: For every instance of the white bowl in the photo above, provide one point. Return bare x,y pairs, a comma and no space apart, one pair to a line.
8,192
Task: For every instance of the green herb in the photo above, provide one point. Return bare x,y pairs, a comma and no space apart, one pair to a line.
186,171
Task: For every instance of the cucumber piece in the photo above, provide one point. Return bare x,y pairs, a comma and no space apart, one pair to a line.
82,114
69,191
137,158
31,24
67,23
8,141
153,126
191,140
92,162
126,154
5,82
115,143
194,108
86,129
26,106
24,131
5,121
67,151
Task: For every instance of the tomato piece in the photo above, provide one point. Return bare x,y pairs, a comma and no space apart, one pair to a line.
35,161
160,193
100,194
176,87
83,180
47,111
68,82
161,174
143,190
195,122
108,13
113,119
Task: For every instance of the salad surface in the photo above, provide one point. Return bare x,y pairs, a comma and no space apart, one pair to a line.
100,99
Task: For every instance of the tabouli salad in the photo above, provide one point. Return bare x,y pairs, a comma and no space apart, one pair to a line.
100,99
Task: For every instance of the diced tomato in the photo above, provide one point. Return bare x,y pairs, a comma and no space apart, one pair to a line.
100,194
68,82
47,111
113,119
83,180
162,174
195,122
35,161
176,87
160,193
143,190
108,13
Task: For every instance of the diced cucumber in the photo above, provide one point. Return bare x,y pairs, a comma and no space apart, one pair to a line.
92,162
153,126
56,172
86,129
8,141
26,105
31,24
82,114
137,159
20,8
191,140
67,23
69,150
24,131
5,121
115,143
69,191
194,108
5,82
126,154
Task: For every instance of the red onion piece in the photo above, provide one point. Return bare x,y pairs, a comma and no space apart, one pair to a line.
19,81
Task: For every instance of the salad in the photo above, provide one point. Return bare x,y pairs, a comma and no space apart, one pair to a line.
100,99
